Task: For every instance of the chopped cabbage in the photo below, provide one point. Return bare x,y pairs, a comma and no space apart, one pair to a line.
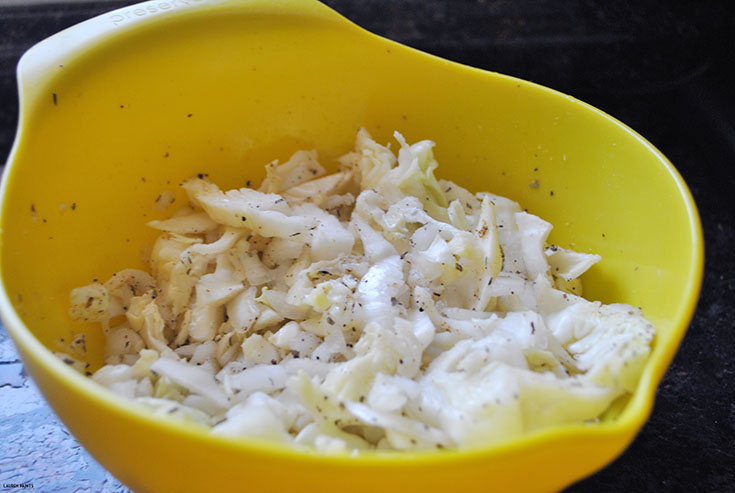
372,308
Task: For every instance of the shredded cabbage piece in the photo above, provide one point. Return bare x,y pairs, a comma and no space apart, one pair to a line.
375,307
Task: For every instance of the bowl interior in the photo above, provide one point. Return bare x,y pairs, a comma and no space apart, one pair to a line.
226,91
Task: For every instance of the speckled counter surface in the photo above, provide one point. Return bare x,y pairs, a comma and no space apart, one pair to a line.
675,87
36,448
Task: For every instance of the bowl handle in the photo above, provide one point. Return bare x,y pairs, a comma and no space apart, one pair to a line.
44,60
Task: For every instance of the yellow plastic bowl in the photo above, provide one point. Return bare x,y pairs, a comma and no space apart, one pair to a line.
128,104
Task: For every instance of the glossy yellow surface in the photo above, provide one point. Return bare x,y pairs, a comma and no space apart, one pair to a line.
119,108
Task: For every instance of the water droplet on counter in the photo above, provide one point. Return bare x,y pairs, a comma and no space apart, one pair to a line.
11,374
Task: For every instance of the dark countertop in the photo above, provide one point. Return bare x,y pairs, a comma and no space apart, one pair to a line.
664,68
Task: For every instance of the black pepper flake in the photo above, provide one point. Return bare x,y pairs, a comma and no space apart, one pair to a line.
55,98
274,362
296,354
421,308
533,328
459,267
88,373
330,321
295,234
68,361
362,398
247,183
33,208
393,301
189,115
551,192
244,218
